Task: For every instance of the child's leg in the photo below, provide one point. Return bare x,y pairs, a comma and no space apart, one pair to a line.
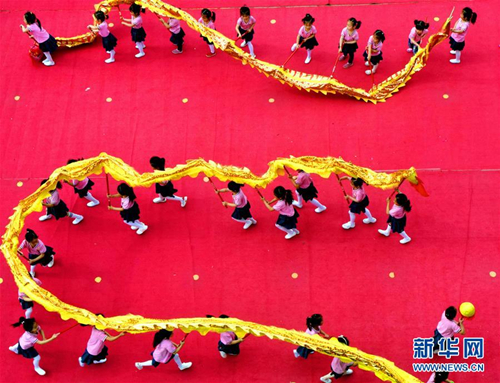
385,232
46,216
250,48
14,348
351,57
319,206
78,218
405,236
91,198
32,270
351,223
299,201
327,378
284,229
143,364
374,69
175,198
49,56
27,313
308,58
369,216
182,366
212,48
132,224
36,363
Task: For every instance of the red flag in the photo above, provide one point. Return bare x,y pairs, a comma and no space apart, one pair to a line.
419,187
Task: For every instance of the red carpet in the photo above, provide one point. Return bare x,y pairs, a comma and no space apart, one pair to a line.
62,113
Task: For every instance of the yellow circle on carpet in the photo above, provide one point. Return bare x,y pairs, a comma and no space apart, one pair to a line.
493,274
391,275
445,96
271,100
436,18
17,98
19,184
111,25
184,100
109,99
98,279
295,275
1,281
196,277
273,21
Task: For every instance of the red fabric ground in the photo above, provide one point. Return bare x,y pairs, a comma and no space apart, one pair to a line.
247,274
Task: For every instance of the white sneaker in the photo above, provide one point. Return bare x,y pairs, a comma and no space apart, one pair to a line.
366,63
294,46
349,225
290,235
325,380
100,361
405,240
159,200
184,201
296,231
45,217
348,372
308,60
296,203
223,354
409,50
368,220
138,366
455,61
320,209
254,221
51,263
139,55
134,227
13,348
80,362
453,52
92,203
247,224
295,353
369,72
342,58
39,370
383,232
140,231
78,220
243,44
109,61
185,366
46,63
136,47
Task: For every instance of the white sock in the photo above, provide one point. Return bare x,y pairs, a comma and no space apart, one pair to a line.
239,220
48,55
112,56
250,48
388,230
175,198
36,361
212,48
404,235
300,200
138,224
316,203
131,223
140,46
368,214
74,215
375,68
352,217
458,54
308,53
32,268
177,360
284,229
14,348
28,312
148,363
90,197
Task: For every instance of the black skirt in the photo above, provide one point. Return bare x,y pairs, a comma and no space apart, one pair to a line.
308,193
206,40
349,48
178,38
83,192
248,37
233,349
303,352
89,359
138,34
46,259
374,59
109,42
29,353
309,44
132,214
240,213
59,211
49,45
25,305
288,222
359,207
456,46
166,190
397,225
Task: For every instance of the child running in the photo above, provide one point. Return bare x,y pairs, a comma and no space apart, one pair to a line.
313,323
306,37
242,206
244,29
306,191
287,220
348,44
57,208
359,203
397,217
109,41
26,302
165,189
46,42
38,252
229,343
83,187
338,368
129,209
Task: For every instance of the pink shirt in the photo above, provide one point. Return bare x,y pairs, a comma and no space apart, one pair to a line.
28,340
53,199
313,331
447,328
461,26
303,180
174,27
359,194
104,32
246,26
374,46
40,35
415,36
347,37
240,199
210,24
397,212
284,209
81,184
305,34
21,295
227,337
339,367
38,249
431,379
136,22
163,352
127,203
96,341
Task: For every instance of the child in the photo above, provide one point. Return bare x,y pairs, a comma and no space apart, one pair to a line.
229,343
46,42
440,377
130,209
96,352
165,189
165,350
83,187
307,37
338,368
313,323
348,44
138,33
447,327
287,220
177,37
109,41
242,206
25,346
397,217
359,203
416,36
57,208
305,191
459,31
244,29
38,252
207,19
27,303
373,52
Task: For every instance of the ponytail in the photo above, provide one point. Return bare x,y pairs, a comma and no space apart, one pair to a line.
283,194
27,323
30,235
355,23
469,15
308,19
309,323
288,197
380,35
208,14
342,339
403,201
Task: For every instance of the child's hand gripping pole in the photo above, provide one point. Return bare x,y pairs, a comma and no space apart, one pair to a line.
343,190
208,179
240,37
107,188
259,193
290,177
295,51
397,189
22,255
